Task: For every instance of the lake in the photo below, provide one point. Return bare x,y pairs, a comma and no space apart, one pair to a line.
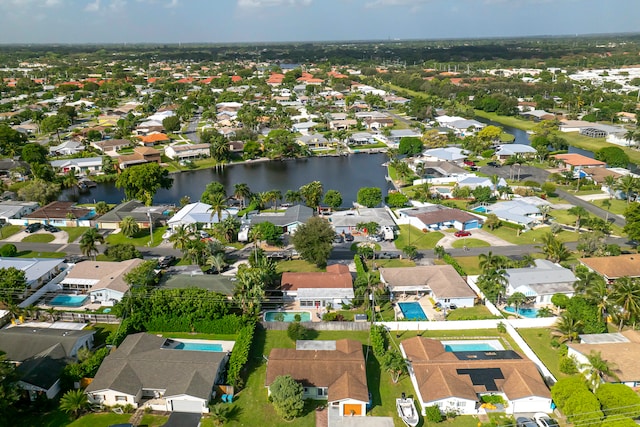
346,174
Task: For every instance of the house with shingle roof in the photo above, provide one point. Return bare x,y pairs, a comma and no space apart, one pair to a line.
328,370
151,370
540,282
102,280
141,155
436,217
41,354
60,214
442,283
289,220
455,381
158,214
614,267
319,289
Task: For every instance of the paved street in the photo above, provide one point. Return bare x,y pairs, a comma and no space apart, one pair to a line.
595,210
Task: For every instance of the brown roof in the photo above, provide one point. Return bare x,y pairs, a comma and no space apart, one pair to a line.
442,214
613,267
443,280
599,174
341,370
59,210
337,276
573,159
622,355
437,374
109,275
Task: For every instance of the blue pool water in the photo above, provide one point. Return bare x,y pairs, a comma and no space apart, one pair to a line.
289,316
480,209
471,345
194,346
68,300
412,311
524,312
443,190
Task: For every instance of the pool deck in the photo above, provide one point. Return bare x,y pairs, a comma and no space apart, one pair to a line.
316,314
226,345
425,304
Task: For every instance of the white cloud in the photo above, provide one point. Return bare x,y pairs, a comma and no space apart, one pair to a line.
272,3
93,6
117,5
172,4
29,3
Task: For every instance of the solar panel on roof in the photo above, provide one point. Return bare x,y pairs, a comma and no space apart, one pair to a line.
487,355
485,377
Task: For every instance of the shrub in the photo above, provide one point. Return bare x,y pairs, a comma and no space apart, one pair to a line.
494,399
433,414
568,365
296,331
360,267
287,397
240,354
453,263
8,250
502,328
379,340
333,317
618,400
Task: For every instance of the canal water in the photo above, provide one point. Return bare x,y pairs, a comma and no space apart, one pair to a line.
346,174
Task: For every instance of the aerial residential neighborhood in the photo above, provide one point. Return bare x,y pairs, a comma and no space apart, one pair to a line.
229,230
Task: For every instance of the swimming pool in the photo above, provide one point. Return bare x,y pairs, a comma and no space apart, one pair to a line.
531,313
196,346
443,190
412,311
286,316
68,300
480,209
472,345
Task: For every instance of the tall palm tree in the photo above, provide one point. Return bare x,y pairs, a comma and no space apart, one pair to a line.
630,137
74,402
554,249
218,203
586,280
217,261
626,294
70,180
517,299
567,327
129,226
601,367
610,183
241,191
544,211
580,213
102,208
628,185
598,294
292,196
89,241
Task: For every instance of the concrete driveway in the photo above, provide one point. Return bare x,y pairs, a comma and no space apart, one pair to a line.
61,237
448,239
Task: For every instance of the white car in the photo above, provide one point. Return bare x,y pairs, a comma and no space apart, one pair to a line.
543,420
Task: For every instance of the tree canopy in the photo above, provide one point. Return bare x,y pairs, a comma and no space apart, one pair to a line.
370,196
313,241
141,182
287,397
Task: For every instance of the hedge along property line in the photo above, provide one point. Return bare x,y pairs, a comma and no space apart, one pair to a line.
453,263
360,268
227,325
240,354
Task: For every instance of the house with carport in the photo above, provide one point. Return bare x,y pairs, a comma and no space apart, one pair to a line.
61,214
441,283
456,381
198,214
153,371
41,354
437,217
334,371
506,151
319,290
540,282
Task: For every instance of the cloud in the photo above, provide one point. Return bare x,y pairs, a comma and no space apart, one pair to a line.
172,4
271,3
29,3
93,6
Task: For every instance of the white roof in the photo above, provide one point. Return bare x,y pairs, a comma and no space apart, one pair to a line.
80,162
447,153
512,149
198,213
34,268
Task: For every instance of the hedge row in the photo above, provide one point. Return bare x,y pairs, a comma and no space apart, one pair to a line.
379,340
453,263
229,324
240,354
360,267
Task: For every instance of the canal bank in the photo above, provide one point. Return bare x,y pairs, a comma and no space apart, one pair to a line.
580,143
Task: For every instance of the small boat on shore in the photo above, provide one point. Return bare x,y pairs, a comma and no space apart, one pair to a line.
407,411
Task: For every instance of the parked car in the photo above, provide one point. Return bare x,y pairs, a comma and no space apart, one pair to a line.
166,261
32,228
525,422
51,228
469,163
277,255
338,238
388,255
203,234
494,164
543,420
452,306
462,233
348,237
375,238
214,270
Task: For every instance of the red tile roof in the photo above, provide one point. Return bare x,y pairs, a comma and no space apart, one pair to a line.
337,276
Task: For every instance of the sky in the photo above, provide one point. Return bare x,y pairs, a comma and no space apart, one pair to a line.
241,21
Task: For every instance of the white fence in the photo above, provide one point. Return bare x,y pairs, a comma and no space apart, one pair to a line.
52,286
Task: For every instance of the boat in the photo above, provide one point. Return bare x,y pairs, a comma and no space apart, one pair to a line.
407,411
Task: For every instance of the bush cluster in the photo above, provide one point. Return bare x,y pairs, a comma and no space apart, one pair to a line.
379,340
240,354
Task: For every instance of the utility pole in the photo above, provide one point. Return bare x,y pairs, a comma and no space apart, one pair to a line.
150,228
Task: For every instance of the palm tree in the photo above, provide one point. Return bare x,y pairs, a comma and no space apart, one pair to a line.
600,367
628,185
70,180
74,402
489,261
181,237
219,413
395,364
586,280
229,228
580,213
630,136
241,191
517,299
102,208
129,226
544,211
88,242
218,203
567,327
292,196
598,294
554,249
217,261
626,295
610,183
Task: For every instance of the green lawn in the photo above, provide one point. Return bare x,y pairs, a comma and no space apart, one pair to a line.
539,340
102,331
141,238
410,235
563,216
153,420
531,236
470,243
39,238
74,232
53,418
470,264
296,266
35,254
368,146
101,420
470,313
617,206
512,121
9,230
389,263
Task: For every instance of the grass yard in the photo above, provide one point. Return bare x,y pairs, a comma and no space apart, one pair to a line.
102,420
153,420
539,340
39,238
470,264
470,313
102,332
297,266
35,254
389,263
563,216
512,121
617,206
55,418
74,232
410,235
141,238
9,230
531,236
470,243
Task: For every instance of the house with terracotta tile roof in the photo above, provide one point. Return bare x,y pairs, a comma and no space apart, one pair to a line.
319,289
328,370
577,161
614,267
456,380
152,139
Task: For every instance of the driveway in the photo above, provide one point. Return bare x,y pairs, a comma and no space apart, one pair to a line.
448,239
61,237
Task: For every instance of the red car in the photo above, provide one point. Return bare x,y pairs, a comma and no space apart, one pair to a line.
462,233
469,163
